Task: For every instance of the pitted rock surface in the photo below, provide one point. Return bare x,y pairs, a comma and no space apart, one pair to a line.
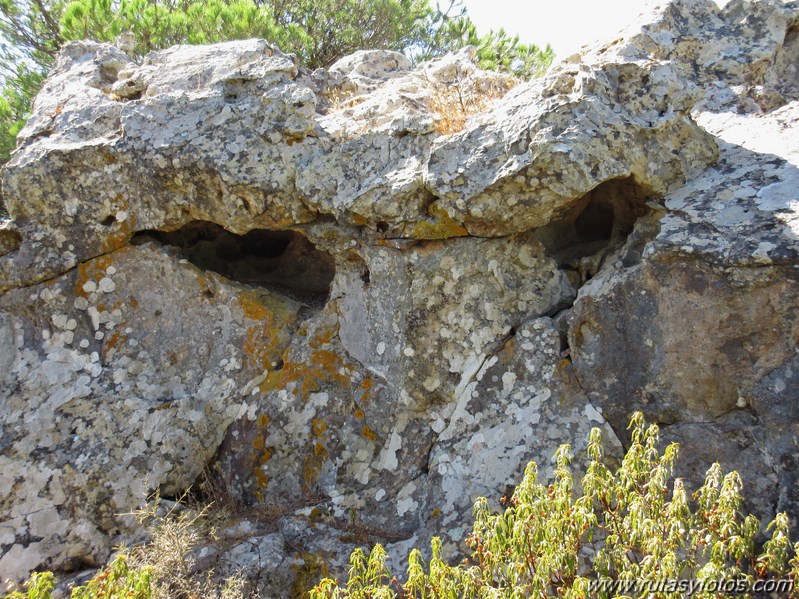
221,264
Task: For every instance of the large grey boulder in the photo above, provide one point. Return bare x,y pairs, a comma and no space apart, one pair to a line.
220,264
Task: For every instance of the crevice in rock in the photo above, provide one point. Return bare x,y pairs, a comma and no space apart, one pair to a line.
593,227
10,238
283,261
781,84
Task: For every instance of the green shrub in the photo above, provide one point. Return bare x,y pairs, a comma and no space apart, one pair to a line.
628,533
116,581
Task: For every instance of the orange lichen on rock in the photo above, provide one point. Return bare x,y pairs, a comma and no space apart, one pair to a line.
91,270
434,229
368,433
324,370
115,339
267,337
318,427
261,478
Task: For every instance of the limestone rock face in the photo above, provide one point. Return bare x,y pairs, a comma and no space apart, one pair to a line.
305,289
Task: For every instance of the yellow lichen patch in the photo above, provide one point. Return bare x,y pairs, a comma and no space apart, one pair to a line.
322,371
311,468
359,414
320,451
318,427
207,288
120,237
113,340
262,454
368,433
366,388
323,335
434,229
274,318
114,241
91,270
261,478
251,306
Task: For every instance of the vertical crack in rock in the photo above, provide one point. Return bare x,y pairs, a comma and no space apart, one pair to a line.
282,261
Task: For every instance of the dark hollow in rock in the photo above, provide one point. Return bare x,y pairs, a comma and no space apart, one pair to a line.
593,226
284,261
10,238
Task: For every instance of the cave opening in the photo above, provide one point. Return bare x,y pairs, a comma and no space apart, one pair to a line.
593,226
283,261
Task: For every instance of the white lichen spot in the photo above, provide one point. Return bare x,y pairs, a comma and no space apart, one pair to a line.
106,285
388,457
90,286
381,348
409,351
94,315
508,381
591,413
432,383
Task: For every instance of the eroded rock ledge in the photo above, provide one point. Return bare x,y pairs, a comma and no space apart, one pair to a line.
220,262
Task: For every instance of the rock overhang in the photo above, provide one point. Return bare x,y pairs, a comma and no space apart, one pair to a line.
477,296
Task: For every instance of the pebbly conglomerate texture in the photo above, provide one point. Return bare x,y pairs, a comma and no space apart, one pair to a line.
299,285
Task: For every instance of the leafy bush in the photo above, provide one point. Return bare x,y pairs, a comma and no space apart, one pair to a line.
115,581
624,535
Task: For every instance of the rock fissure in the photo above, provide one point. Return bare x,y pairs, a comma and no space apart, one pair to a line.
402,318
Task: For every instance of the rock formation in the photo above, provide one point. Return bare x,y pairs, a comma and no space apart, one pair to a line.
223,265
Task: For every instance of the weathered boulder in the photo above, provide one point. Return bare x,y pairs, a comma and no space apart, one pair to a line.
221,265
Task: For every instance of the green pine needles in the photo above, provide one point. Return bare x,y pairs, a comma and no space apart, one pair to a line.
629,533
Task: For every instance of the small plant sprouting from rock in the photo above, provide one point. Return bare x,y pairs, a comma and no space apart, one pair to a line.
163,568
628,533
117,580
457,102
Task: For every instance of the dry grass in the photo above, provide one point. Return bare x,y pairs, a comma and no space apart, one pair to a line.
341,99
176,533
457,103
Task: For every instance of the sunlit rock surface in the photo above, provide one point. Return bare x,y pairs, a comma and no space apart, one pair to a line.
302,287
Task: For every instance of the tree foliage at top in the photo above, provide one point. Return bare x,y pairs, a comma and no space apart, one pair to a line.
319,32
